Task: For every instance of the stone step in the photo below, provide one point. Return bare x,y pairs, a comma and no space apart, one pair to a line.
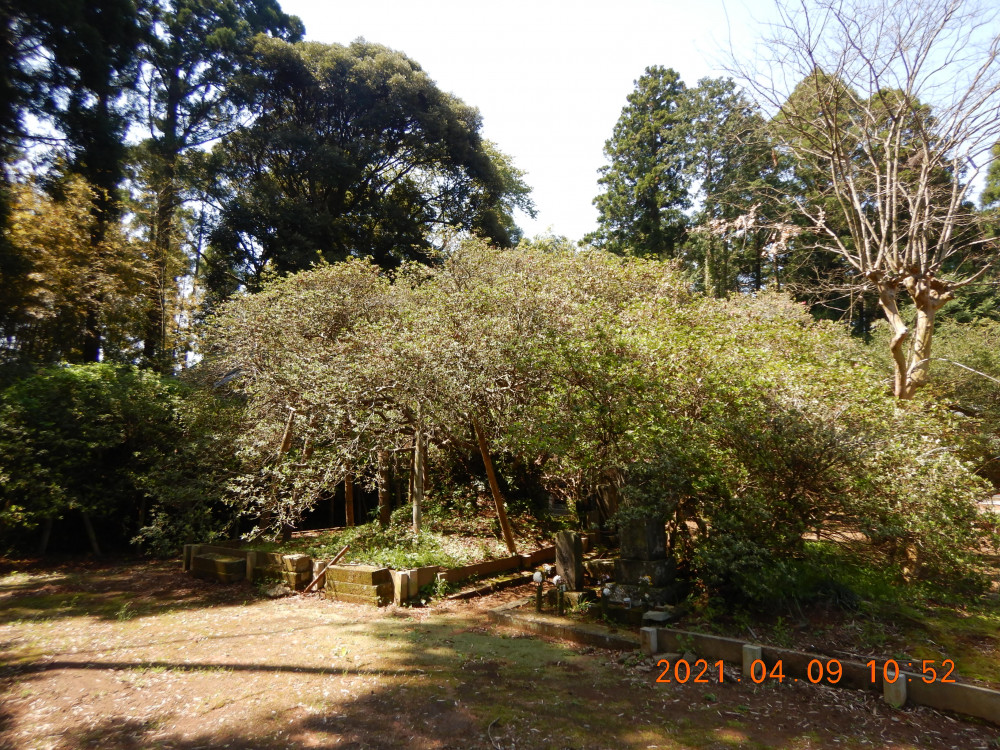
219,567
368,575
371,601
359,593
338,590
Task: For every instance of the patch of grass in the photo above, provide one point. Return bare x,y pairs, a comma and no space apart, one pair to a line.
395,546
42,607
126,612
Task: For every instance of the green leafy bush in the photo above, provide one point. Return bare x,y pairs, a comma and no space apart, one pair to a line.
112,441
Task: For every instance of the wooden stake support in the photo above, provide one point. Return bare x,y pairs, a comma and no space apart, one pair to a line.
320,574
508,535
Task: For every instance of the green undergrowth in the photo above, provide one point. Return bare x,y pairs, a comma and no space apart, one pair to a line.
453,533
393,546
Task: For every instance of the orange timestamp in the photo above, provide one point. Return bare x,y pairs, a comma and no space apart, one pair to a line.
830,671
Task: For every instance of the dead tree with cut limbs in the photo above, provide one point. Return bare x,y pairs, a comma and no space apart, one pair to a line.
895,104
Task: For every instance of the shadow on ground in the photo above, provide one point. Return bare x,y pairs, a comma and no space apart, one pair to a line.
122,591
404,679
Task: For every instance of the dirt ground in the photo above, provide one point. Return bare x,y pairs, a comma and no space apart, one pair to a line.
143,656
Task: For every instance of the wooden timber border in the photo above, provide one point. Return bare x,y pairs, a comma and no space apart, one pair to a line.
909,687
957,697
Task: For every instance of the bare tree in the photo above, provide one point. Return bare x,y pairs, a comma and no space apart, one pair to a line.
894,105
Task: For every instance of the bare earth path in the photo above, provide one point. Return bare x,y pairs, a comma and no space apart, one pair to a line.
116,656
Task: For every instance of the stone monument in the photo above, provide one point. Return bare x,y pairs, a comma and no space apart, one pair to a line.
644,573
569,559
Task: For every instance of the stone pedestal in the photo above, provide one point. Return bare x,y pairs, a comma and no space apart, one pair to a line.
652,573
569,559
644,573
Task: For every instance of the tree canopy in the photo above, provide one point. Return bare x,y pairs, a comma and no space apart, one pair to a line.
641,210
354,151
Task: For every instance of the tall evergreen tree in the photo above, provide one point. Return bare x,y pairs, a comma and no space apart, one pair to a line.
645,185
80,58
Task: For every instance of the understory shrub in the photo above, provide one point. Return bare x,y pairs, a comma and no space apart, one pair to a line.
116,443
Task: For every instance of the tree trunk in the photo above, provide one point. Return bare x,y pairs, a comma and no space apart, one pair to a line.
508,535
349,499
286,437
166,151
919,371
384,506
887,298
91,345
418,478
929,295
397,484
91,536
43,545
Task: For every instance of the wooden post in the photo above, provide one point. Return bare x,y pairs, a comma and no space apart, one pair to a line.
349,499
418,477
384,506
508,535
320,574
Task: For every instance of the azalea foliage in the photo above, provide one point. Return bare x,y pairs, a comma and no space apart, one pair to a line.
745,419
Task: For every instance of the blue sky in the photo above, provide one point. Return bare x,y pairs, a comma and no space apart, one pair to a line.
549,76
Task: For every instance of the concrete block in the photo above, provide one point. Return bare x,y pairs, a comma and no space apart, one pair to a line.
269,559
296,563
224,568
318,566
894,693
488,568
297,580
378,595
424,576
750,655
647,641
369,575
251,558
413,583
644,539
400,587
